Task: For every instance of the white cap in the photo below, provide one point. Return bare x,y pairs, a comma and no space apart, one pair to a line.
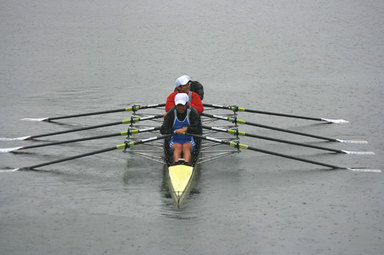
182,80
181,98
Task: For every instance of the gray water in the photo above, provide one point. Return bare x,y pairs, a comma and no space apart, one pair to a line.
314,58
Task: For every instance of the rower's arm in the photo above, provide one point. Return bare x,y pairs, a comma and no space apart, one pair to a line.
166,127
170,102
197,103
195,123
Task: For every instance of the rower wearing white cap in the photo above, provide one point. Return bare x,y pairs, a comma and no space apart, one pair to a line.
179,120
183,85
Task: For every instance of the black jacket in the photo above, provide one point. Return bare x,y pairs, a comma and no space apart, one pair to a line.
194,120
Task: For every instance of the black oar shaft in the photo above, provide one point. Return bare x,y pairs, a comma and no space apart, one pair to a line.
243,146
77,129
235,120
70,158
119,146
85,114
235,108
283,115
131,108
293,143
129,132
236,132
290,131
132,120
294,158
72,141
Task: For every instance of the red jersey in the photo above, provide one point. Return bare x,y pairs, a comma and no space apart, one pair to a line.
194,101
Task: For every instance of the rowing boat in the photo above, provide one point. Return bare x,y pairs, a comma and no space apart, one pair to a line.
180,176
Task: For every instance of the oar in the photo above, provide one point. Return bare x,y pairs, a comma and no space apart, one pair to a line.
237,132
128,132
128,121
236,109
133,108
117,147
236,120
244,146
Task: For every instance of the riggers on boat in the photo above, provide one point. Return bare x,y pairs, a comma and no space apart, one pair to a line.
180,175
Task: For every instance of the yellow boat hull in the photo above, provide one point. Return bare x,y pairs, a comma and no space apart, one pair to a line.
180,178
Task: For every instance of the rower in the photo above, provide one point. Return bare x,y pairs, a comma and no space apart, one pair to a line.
183,85
179,120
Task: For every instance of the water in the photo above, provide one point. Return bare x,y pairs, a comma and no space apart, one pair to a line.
322,59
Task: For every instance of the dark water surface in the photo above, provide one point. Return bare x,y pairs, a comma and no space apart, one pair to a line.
315,58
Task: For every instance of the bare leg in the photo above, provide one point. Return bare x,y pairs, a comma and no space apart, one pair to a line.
177,149
187,149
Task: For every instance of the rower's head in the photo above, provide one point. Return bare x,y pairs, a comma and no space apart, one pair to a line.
181,102
183,84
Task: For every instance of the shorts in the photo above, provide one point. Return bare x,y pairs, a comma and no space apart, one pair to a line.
182,141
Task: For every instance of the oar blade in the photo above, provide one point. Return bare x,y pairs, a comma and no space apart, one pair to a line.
358,152
9,170
7,150
16,138
35,119
335,121
352,141
365,170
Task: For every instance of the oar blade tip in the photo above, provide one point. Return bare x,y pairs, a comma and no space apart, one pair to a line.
35,119
352,141
364,170
9,170
335,121
7,150
16,138
359,152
